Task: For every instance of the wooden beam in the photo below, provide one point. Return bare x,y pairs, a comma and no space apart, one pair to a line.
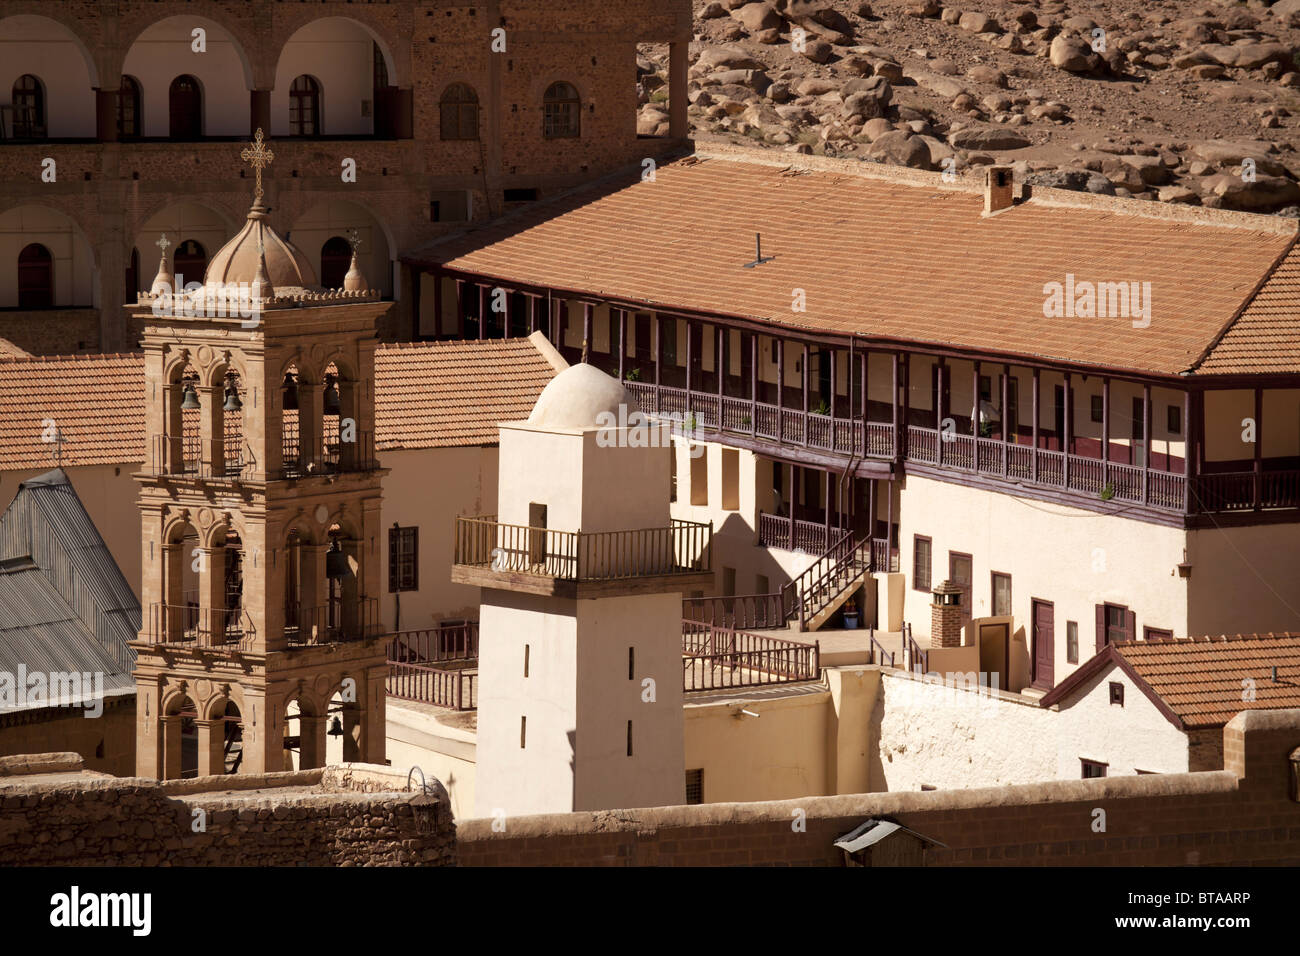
659,354
1187,448
482,312
1008,425
938,409
1146,443
622,344
1259,449
1068,416
1105,431
416,275
975,401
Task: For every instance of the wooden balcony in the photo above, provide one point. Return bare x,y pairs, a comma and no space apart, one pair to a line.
575,564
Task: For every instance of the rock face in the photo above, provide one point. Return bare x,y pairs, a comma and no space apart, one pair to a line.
1266,192
902,148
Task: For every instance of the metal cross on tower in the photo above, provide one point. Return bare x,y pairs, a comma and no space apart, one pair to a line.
259,157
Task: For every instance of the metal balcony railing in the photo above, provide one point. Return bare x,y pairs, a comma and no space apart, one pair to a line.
187,625
338,622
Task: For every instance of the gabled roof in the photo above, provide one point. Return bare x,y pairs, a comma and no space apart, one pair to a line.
1201,682
65,605
897,256
428,395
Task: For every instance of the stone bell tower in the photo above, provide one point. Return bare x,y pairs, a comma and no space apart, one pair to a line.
259,500
580,629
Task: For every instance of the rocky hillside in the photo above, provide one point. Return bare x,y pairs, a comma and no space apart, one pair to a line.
1163,100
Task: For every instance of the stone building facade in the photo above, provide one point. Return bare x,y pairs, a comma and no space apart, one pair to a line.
448,112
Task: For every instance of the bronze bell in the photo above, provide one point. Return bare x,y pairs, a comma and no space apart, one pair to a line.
233,403
190,398
336,562
336,728
331,405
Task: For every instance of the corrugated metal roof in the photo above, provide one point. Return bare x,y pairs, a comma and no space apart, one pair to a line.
65,605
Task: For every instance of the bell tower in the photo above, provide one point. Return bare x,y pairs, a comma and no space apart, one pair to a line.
261,647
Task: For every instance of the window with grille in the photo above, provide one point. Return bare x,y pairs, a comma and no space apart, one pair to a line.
1001,594
1091,768
459,112
403,559
561,112
694,787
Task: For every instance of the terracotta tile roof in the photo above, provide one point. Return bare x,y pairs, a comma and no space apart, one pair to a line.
96,402
899,259
427,396
439,394
1200,679
1266,337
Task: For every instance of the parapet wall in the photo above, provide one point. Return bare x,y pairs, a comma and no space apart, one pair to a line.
355,815
1241,815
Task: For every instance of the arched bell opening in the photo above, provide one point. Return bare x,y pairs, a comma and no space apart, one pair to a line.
304,732
302,615
342,583
290,433
343,736
180,739
179,448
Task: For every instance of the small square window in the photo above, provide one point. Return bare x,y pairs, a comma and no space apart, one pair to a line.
694,787
1072,642
1117,693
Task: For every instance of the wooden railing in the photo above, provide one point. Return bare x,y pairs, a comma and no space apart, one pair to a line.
914,658
878,653
681,548
719,657
1091,477
741,416
737,612
458,642
777,531
1247,490
457,689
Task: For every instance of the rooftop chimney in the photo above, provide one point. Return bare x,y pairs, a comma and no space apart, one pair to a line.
998,183
945,616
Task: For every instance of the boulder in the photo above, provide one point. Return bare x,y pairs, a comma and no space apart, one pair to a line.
922,8
728,57
873,129
901,148
991,75
989,138
857,65
1249,56
945,86
758,16
1178,194
868,103
1224,153
713,11
818,50
1079,180
1072,55
979,23
1266,192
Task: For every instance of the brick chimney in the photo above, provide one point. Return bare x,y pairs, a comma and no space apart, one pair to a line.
998,187
945,616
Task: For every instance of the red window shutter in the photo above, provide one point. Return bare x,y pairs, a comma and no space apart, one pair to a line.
1130,626
1101,627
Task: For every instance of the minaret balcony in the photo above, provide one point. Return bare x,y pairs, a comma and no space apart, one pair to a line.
578,564
189,626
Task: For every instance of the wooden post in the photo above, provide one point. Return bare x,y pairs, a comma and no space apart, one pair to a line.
482,312
1259,449
901,438
532,313
1187,448
587,310
780,390
460,308
622,344
975,404
790,509
826,511
1146,443
416,276
1105,431
720,363
1034,439
938,410
753,380
1069,430
659,355
871,513
690,360
1008,427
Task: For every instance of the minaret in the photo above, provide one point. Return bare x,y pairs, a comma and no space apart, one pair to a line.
260,511
580,630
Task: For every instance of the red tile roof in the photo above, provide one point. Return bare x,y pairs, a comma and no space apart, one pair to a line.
427,396
894,256
1203,682
1266,337
440,394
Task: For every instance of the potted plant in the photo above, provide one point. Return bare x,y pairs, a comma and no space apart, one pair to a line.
633,375
823,408
851,615
1108,492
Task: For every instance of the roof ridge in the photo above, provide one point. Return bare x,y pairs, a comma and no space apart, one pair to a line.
71,357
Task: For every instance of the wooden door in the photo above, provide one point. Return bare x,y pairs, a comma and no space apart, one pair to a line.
186,108
1044,615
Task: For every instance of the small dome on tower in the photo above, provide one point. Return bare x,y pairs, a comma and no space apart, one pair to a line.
577,396
238,260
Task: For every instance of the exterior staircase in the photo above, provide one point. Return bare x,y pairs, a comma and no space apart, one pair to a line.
824,587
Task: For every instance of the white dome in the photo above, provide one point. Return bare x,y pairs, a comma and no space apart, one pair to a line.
576,397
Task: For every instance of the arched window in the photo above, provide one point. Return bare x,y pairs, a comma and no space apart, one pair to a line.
186,106
35,277
304,107
335,257
190,261
459,112
380,67
562,108
128,108
29,108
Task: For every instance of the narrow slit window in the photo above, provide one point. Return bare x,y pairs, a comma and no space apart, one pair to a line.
631,663
629,738
523,732
527,649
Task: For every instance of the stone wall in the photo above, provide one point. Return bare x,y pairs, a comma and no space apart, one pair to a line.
1242,815
356,815
106,743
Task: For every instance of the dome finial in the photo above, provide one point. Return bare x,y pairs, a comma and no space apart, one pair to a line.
162,282
354,281
262,288
259,157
